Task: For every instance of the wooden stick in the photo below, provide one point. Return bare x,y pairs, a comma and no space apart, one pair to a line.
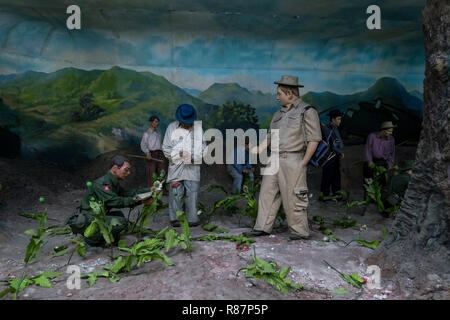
333,267
135,156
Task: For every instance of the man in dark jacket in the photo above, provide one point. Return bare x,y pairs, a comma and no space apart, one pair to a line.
107,189
331,173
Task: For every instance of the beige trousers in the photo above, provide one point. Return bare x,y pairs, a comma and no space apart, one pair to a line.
288,185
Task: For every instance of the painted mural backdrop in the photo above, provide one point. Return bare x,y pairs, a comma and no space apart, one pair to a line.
88,91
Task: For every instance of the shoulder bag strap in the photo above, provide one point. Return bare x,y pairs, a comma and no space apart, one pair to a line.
302,119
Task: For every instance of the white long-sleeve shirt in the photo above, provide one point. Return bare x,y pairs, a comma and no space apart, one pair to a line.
151,141
177,139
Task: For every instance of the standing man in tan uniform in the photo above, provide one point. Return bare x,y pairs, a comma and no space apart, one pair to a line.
298,140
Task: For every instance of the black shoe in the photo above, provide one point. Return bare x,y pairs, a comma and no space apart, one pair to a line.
293,236
175,223
194,224
385,214
94,248
256,233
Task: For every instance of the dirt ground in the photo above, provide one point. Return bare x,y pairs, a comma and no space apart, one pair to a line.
210,271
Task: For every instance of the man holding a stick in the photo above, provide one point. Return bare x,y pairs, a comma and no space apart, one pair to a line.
151,146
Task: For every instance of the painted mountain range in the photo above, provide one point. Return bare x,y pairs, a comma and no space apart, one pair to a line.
388,89
46,109
40,108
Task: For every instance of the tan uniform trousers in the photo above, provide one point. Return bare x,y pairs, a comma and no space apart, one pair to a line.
287,185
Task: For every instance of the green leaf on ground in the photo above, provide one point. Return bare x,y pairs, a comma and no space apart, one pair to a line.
354,279
172,239
92,277
42,280
384,233
59,253
186,231
31,215
319,219
81,249
238,239
61,231
369,244
214,228
350,280
90,230
340,291
355,203
31,232
330,235
345,223
269,272
118,265
209,227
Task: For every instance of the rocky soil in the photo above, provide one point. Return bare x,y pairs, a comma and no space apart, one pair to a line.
211,270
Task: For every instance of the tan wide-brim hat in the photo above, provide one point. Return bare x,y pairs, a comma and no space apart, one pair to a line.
387,125
289,81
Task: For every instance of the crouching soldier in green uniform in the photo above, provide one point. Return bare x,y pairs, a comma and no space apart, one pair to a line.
107,189
393,193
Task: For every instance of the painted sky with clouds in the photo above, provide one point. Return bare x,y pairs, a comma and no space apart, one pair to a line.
196,43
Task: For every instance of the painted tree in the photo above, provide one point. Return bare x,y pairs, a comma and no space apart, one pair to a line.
233,116
419,239
88,110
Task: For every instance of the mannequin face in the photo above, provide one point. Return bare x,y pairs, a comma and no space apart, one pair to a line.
285,99
186,126
122,172
336,121
387,132
154,124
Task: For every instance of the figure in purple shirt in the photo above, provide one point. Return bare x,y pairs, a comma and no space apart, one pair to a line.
380,150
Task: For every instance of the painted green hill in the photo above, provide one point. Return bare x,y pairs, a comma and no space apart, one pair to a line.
45,104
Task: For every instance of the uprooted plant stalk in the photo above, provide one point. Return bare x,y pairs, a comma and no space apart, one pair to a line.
269,272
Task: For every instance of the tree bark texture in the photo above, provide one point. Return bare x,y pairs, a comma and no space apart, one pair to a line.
421,229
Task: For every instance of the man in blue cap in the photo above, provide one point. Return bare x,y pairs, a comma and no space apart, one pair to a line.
184,148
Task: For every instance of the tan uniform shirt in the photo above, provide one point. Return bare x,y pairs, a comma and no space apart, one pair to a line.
290,124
